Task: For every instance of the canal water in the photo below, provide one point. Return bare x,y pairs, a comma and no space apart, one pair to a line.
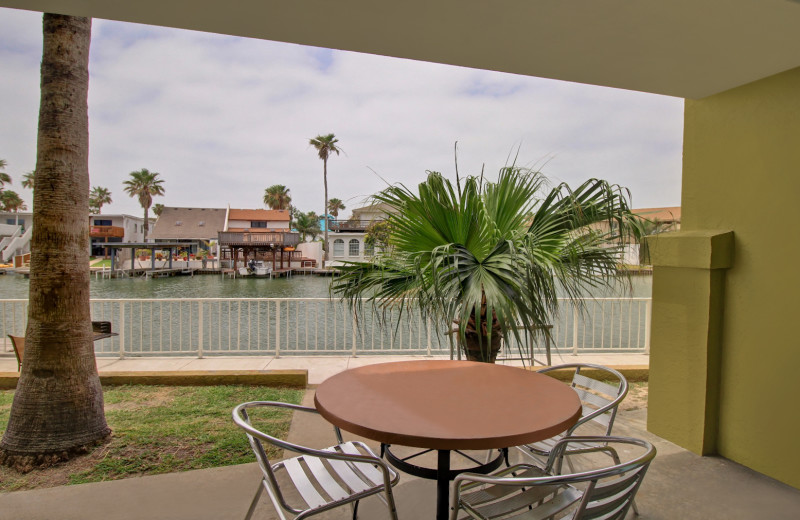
215,286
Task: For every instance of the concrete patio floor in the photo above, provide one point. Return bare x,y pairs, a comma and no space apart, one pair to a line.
679,485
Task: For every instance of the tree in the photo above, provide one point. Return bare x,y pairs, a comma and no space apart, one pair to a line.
98,198
157,209
27,180
58,405
377,234
334,205
277,197
11,201
4,177
325,146
466,254
307,224
144,184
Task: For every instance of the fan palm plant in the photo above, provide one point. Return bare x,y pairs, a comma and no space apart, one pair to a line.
491,256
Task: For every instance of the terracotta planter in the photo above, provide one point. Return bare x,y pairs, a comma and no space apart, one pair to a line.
474,351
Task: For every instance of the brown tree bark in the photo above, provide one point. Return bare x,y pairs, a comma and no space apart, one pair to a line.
58,405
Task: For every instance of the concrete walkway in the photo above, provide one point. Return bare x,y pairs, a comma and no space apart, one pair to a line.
319,367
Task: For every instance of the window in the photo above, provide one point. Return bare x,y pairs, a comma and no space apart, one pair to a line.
258,224
338,247
99,222
354,247
369,248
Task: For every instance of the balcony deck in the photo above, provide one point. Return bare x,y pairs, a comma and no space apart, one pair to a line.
258,239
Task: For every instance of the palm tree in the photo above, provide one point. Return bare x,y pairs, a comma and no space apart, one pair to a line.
27,180
58,405
468,255
157,209
4,177
144,184
334,205
307,224
11,201
277,197
98,198
325,146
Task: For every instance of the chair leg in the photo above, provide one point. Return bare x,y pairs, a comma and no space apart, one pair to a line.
254,503
355,510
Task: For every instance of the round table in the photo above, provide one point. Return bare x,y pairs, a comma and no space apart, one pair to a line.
448,405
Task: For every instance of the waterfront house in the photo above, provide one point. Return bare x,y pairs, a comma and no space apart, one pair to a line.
195,227
110,229
346,240
103,229
259,235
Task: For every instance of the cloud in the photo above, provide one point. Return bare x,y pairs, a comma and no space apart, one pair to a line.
221,118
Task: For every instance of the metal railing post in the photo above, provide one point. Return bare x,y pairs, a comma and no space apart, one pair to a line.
200,329
354,331
428,327
122,330
278,328
574,329
648,314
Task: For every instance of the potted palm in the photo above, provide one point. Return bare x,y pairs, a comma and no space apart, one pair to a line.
491,257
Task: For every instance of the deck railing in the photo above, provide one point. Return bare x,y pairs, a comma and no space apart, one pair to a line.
320,326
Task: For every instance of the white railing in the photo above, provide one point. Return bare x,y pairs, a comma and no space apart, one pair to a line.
316,326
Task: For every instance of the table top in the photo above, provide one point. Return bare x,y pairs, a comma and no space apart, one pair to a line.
448,405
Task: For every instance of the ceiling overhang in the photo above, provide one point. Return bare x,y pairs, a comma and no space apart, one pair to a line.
684,48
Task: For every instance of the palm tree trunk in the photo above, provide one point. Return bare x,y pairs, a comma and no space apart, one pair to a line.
58,405
325,212
146,226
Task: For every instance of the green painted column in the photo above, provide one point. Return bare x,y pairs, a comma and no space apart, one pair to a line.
686,340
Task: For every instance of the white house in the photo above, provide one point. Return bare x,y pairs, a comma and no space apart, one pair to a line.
346,239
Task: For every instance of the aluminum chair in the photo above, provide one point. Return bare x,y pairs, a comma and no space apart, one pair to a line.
599,401
320,479
530,492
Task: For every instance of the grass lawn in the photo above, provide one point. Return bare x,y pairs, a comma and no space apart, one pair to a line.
102,263
159,429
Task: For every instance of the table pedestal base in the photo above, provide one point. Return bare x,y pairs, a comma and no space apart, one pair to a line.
442,474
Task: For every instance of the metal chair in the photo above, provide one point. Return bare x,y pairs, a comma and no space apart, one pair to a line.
323,479
599,401
18,342
526,491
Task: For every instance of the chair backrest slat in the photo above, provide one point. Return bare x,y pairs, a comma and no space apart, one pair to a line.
594,384
18,342
595,400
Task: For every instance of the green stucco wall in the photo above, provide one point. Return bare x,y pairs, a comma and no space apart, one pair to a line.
741,173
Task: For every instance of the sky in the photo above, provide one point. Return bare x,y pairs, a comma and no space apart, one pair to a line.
221,118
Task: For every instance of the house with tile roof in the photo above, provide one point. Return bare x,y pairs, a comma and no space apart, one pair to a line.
196,227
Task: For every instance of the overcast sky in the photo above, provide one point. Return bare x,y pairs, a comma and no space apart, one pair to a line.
221,118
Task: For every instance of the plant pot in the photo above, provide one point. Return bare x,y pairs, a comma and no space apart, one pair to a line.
473,349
